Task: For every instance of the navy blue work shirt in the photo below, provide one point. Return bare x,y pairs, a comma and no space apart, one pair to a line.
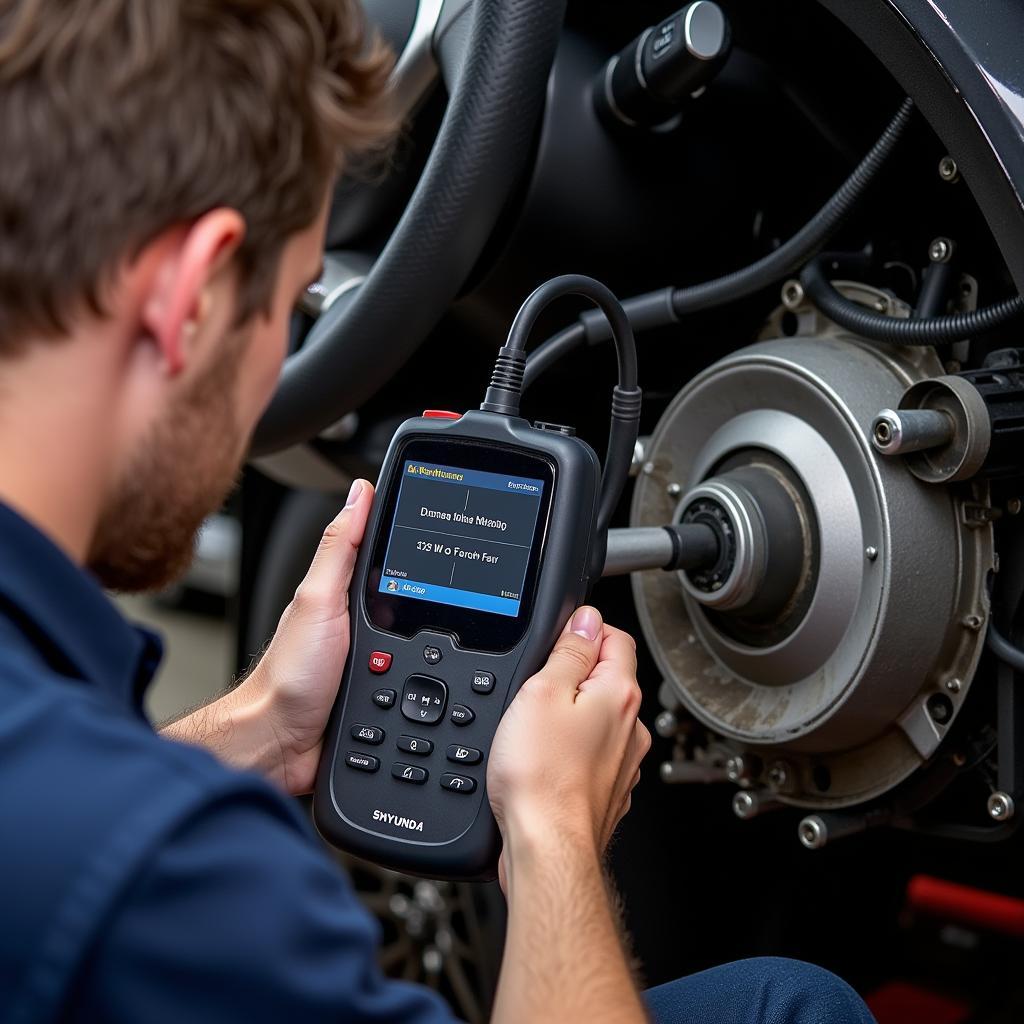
141,880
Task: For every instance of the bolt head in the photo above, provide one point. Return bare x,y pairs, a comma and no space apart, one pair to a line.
812,832
674,490
778,774
953,685
1000,806
792,294
744,805
871,553
940,250
948,170
666,724
1013,507
734,769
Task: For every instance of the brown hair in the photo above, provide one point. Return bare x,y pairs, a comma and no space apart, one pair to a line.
121,118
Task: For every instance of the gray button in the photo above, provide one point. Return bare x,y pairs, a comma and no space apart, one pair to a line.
362,762
458,783
483,682
408,773
368,734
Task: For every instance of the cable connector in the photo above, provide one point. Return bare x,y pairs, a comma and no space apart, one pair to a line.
506,382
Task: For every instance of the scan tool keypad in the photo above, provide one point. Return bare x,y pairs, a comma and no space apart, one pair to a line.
432,705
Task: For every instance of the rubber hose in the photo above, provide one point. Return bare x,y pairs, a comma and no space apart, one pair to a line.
666,306
807,241
940,330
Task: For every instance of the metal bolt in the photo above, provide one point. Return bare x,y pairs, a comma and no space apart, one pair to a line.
666,724
1013,507
747,805
871,553
953,685
973,622
792,294
779,774
882,305
1000,806
744,805
812,832
948,170
738,770
959,759
940,250
674,490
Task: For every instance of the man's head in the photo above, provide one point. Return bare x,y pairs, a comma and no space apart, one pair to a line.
164,187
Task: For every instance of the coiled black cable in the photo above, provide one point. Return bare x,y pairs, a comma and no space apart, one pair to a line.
940,330
666,305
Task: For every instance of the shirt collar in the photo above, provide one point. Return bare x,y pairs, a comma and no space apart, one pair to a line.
64,614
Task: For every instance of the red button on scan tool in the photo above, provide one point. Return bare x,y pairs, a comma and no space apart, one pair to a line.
441,414
380,661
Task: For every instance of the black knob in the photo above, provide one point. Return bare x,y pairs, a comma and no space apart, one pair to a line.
646,83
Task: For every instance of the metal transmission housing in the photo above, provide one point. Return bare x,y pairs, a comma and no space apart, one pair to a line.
844,652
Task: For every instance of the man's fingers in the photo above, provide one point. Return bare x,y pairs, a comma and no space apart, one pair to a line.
327,581
576,651
614,678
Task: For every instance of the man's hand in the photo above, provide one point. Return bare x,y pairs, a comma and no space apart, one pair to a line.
567,753
273,722
564,761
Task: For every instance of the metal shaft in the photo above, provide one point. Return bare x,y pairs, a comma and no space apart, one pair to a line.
686,546
896,432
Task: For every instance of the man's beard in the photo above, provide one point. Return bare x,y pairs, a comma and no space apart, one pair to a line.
147,532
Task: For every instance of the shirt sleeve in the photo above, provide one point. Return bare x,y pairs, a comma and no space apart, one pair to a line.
240,916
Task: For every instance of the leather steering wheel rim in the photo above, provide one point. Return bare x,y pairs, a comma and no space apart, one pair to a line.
478,156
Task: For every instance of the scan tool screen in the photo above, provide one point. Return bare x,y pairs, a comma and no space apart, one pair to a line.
462,537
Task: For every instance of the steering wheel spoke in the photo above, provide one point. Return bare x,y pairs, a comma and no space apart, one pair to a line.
343,271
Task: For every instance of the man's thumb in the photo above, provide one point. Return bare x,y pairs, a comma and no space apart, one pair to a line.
331,571
577,650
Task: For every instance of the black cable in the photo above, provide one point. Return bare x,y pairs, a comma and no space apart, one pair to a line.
807,241
610,307
507,381
1003,649
667,305
940,330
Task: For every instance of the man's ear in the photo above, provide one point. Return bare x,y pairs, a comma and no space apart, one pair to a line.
182,292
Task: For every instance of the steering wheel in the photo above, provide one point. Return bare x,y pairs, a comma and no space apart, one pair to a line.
495,56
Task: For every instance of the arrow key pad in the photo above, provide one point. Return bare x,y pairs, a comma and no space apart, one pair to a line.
424,699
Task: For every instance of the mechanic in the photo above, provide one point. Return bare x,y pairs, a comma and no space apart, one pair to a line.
164,189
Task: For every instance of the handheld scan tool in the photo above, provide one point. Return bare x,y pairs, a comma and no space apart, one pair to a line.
485,534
